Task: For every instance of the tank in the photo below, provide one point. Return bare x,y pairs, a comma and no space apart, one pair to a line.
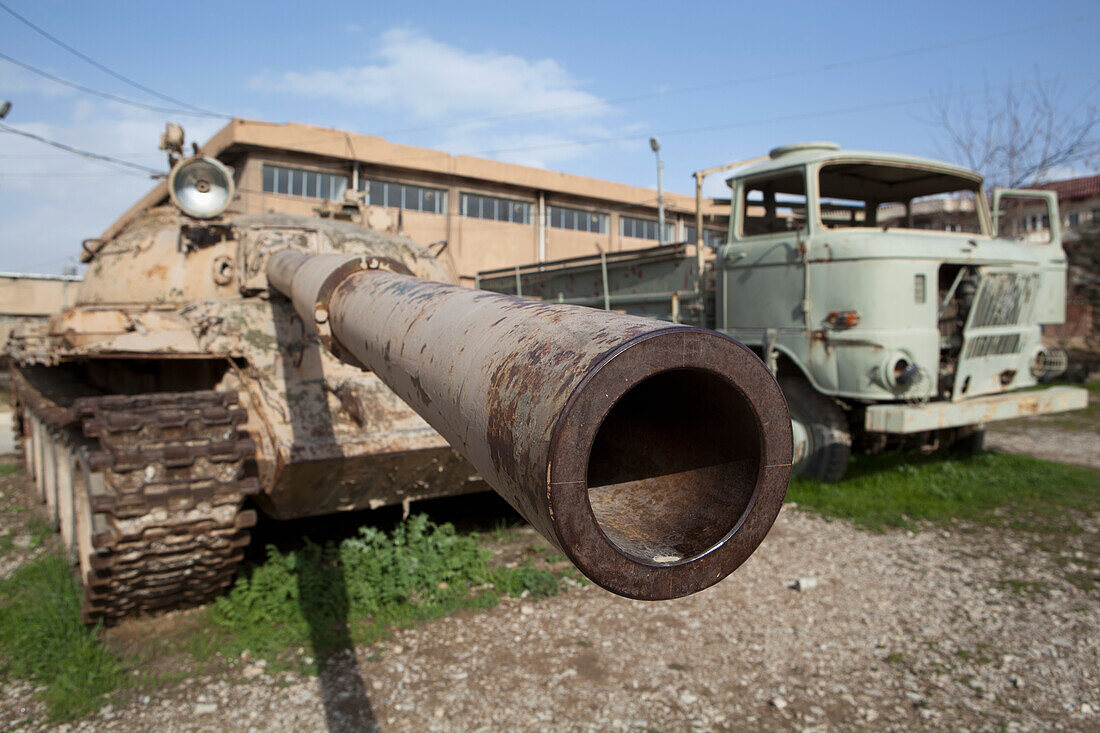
221,367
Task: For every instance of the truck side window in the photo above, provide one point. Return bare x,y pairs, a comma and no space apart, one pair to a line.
1023,219
773,205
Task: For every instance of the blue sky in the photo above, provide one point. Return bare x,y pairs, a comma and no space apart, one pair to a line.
517,81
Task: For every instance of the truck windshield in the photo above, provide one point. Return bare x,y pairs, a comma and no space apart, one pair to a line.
895,196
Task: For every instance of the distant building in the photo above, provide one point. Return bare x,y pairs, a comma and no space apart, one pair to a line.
490,214
28,298
1078,202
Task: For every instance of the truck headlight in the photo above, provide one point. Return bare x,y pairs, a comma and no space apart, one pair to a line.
900,372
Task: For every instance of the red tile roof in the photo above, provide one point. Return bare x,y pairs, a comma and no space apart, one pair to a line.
1074,188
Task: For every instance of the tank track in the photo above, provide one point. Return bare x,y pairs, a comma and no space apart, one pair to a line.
147,491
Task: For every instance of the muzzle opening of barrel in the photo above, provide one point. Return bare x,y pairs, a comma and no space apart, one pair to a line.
674,465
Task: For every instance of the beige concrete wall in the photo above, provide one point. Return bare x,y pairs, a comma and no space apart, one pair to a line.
26,300
26,296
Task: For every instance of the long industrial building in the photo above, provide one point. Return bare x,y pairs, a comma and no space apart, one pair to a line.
490,214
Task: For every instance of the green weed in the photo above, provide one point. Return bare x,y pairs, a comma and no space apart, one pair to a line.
333,596
898,490
7,469
43,639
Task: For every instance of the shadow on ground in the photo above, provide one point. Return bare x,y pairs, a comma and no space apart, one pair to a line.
323,595
343,691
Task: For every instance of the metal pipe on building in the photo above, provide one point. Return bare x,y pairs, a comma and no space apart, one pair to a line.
655,456
542,226
655,144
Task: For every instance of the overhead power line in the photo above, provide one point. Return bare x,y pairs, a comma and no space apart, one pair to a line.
82,153
745,123
101,67
788,118
774,76
107,95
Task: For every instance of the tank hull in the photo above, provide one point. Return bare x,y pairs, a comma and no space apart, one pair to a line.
156,516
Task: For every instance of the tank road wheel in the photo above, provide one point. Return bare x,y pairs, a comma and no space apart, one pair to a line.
66,487
51,458
163,494
149,499
823,440
38,432
26,434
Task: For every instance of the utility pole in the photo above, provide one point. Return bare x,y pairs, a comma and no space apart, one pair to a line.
655,144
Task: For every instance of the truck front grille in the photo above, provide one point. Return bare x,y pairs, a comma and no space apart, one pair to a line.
1006,299
1008,343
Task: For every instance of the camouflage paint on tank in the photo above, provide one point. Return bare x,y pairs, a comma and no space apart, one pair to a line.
329,436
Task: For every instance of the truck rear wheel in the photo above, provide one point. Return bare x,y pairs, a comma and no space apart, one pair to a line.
821,427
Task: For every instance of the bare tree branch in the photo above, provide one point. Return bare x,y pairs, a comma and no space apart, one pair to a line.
1019,135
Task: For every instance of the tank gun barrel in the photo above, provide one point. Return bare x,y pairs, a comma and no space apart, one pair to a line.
655,456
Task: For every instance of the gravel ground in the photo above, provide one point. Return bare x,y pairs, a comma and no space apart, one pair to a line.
1081,447
891,631
1072,437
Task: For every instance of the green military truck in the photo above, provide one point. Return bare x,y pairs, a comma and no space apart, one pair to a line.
874,285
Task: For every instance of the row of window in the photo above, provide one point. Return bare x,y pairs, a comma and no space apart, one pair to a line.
298,182
490,207
578,220
405,196
311,184
711,237
643,229
1075,218
1034,223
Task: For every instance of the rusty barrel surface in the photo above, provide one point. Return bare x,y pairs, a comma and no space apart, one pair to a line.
655,456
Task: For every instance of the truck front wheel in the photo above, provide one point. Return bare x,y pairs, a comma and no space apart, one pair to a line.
823,440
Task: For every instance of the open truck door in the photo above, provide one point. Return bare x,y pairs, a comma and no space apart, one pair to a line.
1032,216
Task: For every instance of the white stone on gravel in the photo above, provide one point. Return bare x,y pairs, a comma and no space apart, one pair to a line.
804,584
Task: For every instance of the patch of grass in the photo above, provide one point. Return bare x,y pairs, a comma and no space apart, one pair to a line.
502,530
1080,572
43,639
333,596
895,657
39,529
898,490
7,469
1024,587
534,581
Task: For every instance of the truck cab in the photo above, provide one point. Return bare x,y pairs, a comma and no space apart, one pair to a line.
882,279
875,286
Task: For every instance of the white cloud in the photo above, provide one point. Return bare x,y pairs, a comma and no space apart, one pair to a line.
14,80
430,80
483,103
